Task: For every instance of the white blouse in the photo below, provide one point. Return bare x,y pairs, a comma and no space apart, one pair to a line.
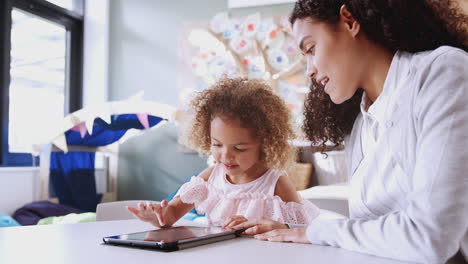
408,164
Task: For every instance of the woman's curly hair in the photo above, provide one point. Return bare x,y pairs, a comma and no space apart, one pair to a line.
254,105
405,25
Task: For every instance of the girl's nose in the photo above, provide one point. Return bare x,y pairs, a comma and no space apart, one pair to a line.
228,156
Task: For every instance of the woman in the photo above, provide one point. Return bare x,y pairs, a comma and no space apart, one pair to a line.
390,80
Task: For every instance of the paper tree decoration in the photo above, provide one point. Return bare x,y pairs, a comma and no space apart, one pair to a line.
253,46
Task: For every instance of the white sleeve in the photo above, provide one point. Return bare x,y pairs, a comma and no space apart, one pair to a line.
296,225
435,222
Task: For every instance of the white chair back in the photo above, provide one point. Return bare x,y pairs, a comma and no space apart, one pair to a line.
115,210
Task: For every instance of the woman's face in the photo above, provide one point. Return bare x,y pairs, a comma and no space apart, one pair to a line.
332,56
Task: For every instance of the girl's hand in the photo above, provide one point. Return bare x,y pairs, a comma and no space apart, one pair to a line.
260,226
296,235
234,221
153,213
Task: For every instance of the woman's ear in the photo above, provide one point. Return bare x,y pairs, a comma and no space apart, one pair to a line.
350,23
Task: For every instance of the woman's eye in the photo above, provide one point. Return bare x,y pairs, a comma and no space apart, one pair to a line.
216,145
310,50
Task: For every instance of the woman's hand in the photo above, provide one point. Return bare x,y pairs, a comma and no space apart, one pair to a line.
296,235
259,226
267,229
153,213
234,221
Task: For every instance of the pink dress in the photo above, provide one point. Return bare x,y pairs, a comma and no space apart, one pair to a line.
219,199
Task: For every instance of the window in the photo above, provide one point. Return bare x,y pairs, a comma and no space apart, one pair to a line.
72,5
41,66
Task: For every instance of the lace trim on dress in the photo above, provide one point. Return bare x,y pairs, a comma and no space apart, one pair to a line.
219,206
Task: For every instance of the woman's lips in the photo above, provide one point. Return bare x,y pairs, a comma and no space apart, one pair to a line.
326,87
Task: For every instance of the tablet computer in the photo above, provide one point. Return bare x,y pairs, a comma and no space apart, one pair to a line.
173,238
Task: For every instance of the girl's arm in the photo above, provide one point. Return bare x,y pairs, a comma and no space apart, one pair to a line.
286,190
176,208
166,214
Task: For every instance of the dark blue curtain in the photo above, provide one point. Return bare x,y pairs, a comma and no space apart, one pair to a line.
72,176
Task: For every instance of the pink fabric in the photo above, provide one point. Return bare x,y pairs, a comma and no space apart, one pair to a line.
220,199
81,127
143,118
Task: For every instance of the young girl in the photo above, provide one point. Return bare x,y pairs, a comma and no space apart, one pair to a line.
246,128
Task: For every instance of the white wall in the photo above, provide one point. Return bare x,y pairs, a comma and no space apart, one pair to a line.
144,38
96,52
143,45
20,186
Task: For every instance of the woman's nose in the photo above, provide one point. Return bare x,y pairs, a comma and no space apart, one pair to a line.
311,70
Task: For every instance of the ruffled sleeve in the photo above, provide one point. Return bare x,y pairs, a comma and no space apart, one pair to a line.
257,205
194,192
299,213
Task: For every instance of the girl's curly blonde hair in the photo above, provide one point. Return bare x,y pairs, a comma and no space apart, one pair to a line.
256,107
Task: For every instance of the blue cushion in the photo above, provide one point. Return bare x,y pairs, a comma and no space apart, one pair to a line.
32,212
6,220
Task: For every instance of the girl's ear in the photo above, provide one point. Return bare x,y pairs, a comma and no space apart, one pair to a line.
350,23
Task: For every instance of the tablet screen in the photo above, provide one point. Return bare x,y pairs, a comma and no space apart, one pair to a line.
173,234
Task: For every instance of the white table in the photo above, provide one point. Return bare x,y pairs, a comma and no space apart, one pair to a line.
82,243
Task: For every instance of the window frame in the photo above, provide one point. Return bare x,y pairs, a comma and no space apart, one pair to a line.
73,23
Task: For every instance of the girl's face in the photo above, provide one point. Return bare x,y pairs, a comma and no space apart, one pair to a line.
234,147
331,55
